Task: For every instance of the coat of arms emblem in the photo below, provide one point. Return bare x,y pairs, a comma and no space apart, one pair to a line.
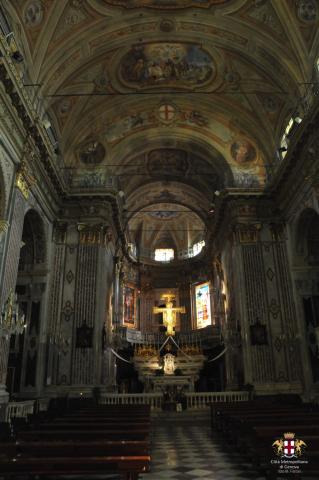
289,446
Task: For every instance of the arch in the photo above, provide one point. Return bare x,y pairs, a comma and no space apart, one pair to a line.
307,237
33,250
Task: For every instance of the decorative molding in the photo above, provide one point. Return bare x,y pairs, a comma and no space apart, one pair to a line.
31,128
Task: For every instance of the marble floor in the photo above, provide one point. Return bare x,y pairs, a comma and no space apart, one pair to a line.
183,449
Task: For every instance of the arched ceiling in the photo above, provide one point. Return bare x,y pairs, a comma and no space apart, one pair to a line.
176,96
165,225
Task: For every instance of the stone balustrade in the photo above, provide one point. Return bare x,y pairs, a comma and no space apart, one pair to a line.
153,399
200,400
195,400
19,409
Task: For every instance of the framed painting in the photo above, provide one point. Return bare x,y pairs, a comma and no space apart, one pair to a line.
129,306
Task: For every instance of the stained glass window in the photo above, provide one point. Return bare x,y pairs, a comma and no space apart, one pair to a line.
203,310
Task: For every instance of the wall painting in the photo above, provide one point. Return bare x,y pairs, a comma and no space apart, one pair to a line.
129,306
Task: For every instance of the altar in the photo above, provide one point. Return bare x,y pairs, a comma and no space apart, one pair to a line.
163,383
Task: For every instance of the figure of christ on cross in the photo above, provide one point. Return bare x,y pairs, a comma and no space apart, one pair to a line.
169,313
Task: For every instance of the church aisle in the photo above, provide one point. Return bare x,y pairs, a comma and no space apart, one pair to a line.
182,449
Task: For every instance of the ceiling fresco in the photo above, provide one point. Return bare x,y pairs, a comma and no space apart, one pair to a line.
167,100
167,64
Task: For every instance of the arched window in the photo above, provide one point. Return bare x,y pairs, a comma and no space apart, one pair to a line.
197,247
293,123
164,254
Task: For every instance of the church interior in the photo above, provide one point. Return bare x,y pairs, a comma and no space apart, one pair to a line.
159,239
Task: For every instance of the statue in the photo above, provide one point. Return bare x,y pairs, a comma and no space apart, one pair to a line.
169,313
169,364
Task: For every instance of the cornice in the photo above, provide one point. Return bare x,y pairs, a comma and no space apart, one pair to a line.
28,117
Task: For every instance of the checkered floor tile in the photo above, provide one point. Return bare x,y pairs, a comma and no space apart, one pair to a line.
183,449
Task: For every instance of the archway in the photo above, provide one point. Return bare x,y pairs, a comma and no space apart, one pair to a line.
24,365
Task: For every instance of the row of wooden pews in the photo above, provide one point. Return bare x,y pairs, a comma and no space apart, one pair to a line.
252,428
85,441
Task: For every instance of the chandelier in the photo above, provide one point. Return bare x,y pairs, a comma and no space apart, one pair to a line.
12,319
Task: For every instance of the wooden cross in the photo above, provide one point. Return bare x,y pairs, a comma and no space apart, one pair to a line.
169,312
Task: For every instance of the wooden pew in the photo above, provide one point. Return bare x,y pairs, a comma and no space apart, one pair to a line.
129,467
101,425
70,448
114,440
255,427
84,434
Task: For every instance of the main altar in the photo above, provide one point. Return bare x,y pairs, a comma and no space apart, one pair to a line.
168,367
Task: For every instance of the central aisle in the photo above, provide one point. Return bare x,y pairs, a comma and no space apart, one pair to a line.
182,449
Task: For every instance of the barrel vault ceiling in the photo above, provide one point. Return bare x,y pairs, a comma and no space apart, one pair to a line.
174,98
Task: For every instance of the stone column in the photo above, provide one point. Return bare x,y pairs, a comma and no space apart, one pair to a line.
185,301
56,286
83,366
265,307
81,282
116,306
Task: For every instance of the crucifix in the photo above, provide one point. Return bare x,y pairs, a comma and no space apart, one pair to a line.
169,312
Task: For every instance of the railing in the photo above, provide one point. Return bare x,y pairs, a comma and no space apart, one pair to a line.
200,400
153,399
19,409
195,400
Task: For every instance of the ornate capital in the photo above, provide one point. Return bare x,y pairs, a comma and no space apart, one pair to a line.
247,233
94,234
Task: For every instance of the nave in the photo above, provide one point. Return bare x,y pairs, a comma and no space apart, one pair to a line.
235,440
